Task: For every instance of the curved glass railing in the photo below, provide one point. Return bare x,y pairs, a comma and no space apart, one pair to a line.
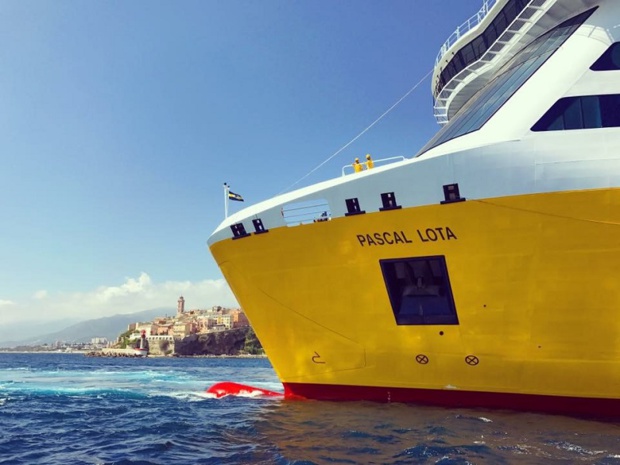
464,28
508,26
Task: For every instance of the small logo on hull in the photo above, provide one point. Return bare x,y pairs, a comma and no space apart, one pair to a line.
472,360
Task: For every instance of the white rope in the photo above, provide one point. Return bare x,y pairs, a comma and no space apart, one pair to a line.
361,133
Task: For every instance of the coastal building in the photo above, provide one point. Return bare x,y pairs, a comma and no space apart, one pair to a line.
212,321
239,320
224,320
161,344
181,329
149,328
185,323
162,329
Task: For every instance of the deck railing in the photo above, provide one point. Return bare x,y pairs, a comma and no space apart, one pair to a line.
465,28
304,212
515,30
348,169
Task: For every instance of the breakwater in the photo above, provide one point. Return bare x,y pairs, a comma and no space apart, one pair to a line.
112,353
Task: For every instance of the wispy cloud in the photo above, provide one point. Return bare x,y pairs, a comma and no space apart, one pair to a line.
141,286
133,295
40,295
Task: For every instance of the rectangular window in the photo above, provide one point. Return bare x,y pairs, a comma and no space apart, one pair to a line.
591,112
572,115
585,112
419,290
610,110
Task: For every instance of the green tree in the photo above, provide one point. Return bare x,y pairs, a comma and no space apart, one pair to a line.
124,339
252,344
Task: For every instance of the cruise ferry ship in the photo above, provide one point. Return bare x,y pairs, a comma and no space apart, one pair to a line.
483,271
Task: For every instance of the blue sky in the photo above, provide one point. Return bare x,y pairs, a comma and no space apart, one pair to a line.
121,120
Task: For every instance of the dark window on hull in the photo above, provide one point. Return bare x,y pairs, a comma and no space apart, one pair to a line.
586,112
609,61
419,290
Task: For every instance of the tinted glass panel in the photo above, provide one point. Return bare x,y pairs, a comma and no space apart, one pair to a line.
572,115
470,53
591,111
610,60
610,110
509,79
557,123
587,112
419,291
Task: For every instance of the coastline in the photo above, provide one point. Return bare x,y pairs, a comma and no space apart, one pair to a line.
86,352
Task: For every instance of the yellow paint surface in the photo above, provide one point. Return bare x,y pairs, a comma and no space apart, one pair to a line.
535,280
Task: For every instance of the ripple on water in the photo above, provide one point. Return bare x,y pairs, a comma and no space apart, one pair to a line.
75,410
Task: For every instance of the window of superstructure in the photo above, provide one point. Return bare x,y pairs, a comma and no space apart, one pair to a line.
584,112
608,61
482,106
477,47
419,290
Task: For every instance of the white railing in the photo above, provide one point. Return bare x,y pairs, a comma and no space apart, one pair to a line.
465,28
304,212
380,161
515,30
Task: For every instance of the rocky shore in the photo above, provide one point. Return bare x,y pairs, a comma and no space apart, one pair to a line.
112,353
240,342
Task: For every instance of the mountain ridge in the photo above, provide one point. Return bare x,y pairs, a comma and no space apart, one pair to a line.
109,327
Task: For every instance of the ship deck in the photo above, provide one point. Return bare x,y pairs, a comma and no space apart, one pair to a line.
467,60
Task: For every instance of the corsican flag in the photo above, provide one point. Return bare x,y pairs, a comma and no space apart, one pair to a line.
233,196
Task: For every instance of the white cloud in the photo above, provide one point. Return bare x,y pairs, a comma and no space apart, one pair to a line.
134,295
142,285
40,295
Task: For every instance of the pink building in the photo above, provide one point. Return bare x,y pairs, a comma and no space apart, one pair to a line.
238,319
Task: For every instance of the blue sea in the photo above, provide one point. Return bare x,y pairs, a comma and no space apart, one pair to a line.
73,409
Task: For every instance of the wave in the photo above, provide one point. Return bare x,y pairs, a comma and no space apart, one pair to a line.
115,383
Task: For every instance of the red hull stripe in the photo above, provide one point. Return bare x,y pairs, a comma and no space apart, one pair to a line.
609,408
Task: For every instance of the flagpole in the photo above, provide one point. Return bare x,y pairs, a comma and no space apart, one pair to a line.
225,200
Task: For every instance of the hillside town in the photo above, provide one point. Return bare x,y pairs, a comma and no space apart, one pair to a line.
169,335
189,322
163,333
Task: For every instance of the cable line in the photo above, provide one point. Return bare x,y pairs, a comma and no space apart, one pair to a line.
361,133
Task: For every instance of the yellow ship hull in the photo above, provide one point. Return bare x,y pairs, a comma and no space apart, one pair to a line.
534,280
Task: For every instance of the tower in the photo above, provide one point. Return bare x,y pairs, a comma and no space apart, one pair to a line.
180,306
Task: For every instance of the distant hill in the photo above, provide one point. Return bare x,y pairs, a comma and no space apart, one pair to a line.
109,327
